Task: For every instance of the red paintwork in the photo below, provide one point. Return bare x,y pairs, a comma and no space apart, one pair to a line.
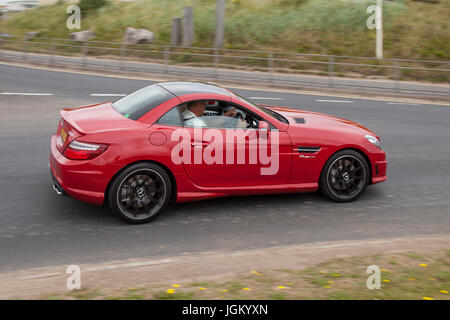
129,142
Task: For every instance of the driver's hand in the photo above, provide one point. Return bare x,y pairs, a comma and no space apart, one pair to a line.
230,113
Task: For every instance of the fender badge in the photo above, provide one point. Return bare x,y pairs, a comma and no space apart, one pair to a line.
306,157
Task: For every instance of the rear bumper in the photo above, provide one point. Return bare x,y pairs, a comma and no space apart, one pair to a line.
82,180
56,185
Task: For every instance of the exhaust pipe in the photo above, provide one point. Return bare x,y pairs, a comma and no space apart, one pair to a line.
55,187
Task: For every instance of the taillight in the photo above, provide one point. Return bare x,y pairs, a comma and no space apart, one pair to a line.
65,135
78,150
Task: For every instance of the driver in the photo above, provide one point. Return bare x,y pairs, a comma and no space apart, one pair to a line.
192,115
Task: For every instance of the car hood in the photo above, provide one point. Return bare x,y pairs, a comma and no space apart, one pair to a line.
302,118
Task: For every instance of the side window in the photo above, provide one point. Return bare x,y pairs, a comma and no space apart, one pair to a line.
217,114
171,117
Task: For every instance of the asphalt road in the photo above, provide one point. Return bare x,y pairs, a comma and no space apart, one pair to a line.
39,228
205,72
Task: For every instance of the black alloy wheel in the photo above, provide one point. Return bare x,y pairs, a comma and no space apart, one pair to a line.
140,192
345,176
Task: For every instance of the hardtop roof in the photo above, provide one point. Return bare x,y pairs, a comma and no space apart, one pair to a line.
185,87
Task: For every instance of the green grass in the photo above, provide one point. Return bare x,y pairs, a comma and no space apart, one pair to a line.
234,286
83,294
163,295
201,284
415,256
413,30
276,296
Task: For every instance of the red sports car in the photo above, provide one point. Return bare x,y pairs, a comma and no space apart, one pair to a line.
183,141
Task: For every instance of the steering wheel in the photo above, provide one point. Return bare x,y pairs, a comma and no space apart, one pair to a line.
239,115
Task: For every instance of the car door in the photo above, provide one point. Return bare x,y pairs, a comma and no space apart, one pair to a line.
236,157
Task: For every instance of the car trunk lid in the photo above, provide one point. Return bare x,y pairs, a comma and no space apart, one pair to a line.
95,118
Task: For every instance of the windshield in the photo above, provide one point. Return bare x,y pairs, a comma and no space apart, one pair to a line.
271,113
138,103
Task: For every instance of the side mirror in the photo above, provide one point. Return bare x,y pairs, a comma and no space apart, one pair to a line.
263,128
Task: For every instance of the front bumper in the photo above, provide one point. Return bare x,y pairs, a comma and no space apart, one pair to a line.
379,172
379,166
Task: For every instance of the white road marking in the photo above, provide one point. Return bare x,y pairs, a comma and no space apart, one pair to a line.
265,98
25,94
41,275
105,267
338,101
107,95
404,103
131,264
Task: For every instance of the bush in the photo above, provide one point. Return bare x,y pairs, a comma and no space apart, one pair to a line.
89,5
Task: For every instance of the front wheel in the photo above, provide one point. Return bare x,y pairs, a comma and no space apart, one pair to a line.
345,176
140,192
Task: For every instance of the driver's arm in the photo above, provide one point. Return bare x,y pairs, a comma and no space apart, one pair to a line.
230,113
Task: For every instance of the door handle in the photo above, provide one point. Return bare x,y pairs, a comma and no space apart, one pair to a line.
200,143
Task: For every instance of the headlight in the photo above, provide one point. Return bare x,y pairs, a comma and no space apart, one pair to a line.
373,140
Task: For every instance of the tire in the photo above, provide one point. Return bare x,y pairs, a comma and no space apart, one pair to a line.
345,176
140,193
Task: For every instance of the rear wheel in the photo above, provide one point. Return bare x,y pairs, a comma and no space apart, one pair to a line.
140,193
345,176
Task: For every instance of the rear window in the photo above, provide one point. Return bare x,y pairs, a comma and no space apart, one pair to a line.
138,103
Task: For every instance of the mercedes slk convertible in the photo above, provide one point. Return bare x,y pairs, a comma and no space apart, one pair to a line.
184,141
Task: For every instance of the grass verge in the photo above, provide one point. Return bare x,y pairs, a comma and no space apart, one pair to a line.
404,275
412,29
